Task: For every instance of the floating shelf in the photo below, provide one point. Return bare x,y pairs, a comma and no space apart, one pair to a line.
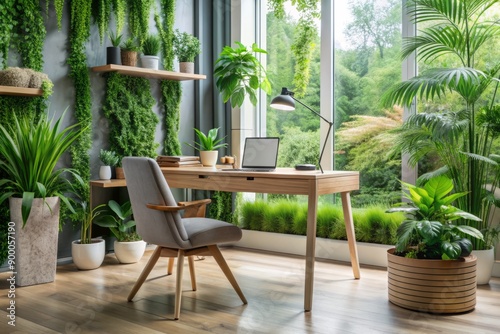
20,91
148,73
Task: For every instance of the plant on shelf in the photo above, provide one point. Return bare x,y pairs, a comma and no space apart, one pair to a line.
115,39
428,232
207,145
150,48
109,160
128,246
461,138
239,73
186,46
129,50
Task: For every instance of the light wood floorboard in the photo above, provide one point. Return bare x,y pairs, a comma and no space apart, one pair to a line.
96,301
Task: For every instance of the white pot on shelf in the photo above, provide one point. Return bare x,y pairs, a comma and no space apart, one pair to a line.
130,251
105,172
150,62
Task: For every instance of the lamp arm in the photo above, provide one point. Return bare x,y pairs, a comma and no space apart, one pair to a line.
312,110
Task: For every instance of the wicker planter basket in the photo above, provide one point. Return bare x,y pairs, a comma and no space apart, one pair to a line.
129,58
433,286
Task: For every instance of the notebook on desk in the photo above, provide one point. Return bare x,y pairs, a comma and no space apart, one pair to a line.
260,154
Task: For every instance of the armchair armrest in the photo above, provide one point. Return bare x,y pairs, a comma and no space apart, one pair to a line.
192,208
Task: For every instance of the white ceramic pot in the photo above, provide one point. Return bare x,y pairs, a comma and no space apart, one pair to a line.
88,256
186,67
208,158
105,172
150,62
485,261
129,252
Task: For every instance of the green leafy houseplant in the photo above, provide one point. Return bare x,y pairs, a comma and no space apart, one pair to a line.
86,216
118,218
428,232
151,45
462,139
186,46
30,152
130,45
208,142
239,73
108,158
116,39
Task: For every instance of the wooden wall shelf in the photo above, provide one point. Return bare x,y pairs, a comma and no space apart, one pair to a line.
20,91
148,73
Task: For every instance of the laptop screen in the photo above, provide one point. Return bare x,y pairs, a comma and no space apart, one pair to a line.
260,152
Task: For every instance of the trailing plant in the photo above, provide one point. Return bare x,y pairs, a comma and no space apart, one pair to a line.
128,106
101,12
8,14
30,34
80,15
118,218
116,39
86,216
462,30
119,9
239,73
427,233
59,8
30,152
209,141
186,46
108,158
171,91
138,18
151,45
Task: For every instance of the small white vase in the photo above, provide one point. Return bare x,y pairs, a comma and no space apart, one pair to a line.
105,172
150,62
208,158
88,256
130,251
485,261
186,67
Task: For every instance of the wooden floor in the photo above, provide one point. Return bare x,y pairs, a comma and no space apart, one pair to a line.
95,301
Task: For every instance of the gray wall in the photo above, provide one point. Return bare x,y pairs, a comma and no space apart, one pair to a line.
55,54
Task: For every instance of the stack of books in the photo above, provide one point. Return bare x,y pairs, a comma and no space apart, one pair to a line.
178,161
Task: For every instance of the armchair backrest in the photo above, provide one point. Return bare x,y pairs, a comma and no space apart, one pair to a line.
147,185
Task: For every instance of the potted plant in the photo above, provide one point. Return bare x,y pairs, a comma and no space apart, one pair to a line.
29,153
109,159
129,51
113,51
238,73
186,48
207,145
150,49
129,246
87,252
431,269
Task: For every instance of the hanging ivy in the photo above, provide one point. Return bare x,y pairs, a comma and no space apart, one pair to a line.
79,33
30,34
119,8
8,21
171,90
303,44
101,11
59,8
128,106
138,18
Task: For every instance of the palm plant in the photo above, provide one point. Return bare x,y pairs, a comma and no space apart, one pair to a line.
208,142
463,138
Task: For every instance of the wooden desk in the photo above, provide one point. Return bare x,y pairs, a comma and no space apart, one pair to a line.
282,181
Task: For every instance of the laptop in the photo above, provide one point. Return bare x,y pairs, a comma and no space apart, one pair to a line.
260,154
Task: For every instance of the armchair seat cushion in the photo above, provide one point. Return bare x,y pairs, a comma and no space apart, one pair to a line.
207,231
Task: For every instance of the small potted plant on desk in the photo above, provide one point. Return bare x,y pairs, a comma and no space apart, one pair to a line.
150,49
186,48
431,269
129,246
109,160
207,145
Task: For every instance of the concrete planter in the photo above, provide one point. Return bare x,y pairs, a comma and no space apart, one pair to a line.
36,243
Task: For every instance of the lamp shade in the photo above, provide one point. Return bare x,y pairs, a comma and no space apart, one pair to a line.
283,102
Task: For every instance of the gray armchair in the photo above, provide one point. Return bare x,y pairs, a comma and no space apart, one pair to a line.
159,222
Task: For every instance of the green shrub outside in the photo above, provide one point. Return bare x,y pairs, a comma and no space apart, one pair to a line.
372,224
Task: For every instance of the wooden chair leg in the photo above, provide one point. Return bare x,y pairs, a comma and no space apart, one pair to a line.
178,284
145,272
170,265
214,250
191,272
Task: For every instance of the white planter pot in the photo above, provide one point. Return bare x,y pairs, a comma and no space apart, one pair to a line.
186,67
105,172
88,256
36,243
485,261
129,252
150,62
208,158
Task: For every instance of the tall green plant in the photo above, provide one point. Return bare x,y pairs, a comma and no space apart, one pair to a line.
462,30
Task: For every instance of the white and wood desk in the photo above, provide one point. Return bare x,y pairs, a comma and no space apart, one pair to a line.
282,181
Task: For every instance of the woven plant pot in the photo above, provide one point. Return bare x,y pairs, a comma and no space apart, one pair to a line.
129,58
432,286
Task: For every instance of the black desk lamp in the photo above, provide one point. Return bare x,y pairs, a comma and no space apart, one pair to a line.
286,101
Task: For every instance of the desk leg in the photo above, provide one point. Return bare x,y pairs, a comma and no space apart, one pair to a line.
349,228
312,207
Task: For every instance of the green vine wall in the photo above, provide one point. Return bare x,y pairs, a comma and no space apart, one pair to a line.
138,18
